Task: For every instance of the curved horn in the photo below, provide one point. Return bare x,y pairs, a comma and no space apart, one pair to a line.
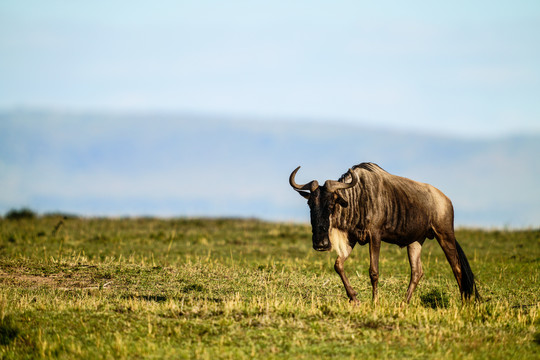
311,186
332,185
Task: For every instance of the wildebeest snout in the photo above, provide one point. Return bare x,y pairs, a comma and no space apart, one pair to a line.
321,244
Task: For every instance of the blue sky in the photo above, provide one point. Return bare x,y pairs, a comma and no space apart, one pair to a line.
461,67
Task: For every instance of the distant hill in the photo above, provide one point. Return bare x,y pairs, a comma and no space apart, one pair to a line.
188,165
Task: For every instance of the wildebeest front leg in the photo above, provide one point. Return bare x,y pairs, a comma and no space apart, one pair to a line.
374,250
414,250
339,267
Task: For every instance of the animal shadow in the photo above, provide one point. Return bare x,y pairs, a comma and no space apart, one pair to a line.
435,299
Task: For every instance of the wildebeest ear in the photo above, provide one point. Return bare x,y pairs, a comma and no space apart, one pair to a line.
305,194
341,201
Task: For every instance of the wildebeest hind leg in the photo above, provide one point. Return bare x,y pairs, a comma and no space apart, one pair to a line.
414,250
448,244
340,269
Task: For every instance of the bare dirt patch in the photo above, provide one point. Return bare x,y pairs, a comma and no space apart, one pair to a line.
62,281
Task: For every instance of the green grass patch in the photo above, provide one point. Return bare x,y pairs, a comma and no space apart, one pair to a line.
226,288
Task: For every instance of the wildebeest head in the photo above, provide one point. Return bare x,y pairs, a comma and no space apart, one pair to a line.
322,201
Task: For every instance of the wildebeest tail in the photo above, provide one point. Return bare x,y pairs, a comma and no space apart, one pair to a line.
467,277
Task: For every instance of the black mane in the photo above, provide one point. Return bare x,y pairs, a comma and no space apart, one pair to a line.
369,166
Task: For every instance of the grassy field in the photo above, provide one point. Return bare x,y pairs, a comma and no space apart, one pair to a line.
149,288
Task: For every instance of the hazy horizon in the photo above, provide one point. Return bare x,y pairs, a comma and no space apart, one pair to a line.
116,165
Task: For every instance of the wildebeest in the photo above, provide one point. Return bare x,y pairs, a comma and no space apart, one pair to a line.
368,205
